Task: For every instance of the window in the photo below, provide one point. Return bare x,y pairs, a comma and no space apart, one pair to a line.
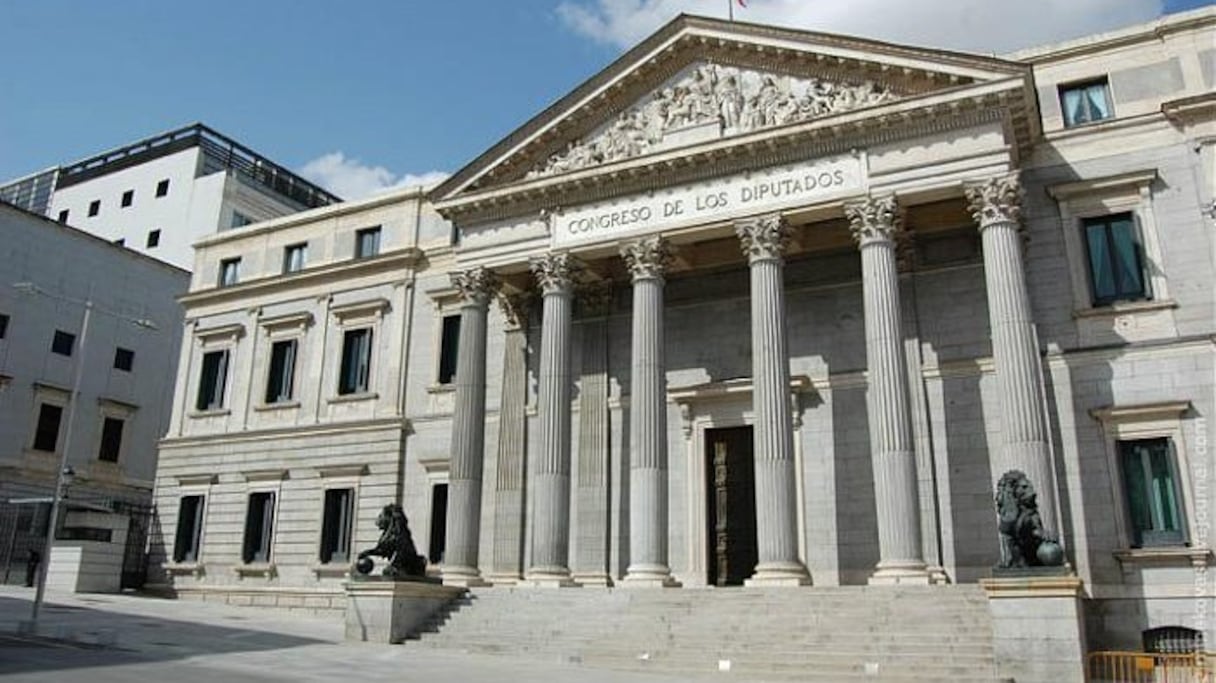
111,439
259,525
120,242
189,529
46,434
336,526
1150,483
367,242
1116,262
1085,102
62,343
127,198
282,370
162,188
439,523
3,325
356,361
153,239
63,216
94,207
211,381
229,271
239,220
448,343
123,359
294,256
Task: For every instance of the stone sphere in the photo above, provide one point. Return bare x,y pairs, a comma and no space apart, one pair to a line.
364,565
1050,554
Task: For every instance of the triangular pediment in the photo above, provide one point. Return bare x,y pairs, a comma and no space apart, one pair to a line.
699,81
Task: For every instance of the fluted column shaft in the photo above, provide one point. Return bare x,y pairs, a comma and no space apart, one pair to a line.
996,206
468,429
874,224
551,478
507,561
647,260
764,242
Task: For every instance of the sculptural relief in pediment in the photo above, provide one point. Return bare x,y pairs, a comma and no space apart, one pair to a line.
708,101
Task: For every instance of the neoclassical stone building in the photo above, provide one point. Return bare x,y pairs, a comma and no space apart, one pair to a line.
753,306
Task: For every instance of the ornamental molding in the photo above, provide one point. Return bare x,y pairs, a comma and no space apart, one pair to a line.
995,200
555,271
475,286
763,238
875,219
709,101
648,258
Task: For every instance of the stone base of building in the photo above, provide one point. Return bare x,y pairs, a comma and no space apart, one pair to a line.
1038,627
464,578
783,574
503,579
549,578
387,611
593,580
318,602
911,574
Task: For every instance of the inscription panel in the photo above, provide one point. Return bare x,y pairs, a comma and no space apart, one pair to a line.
720,199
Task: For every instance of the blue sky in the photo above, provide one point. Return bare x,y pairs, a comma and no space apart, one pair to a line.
364,95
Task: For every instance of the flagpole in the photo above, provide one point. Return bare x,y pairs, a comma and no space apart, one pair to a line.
730,8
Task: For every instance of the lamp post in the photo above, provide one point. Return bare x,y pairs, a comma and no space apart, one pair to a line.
63,472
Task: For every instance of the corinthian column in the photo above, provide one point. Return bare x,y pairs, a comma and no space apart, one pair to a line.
996,206
475,287
647,260
764,240
551,476
874,224
507,562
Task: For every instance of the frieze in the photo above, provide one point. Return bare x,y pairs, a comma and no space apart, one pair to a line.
726,100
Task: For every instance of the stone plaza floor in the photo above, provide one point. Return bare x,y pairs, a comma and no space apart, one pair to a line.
130,638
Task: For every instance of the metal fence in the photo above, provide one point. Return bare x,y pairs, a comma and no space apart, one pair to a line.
1150,667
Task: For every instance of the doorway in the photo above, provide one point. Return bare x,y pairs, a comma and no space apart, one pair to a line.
731,500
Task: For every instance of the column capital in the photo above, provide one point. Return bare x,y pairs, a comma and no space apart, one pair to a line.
515,307
555,271
995,200
476,285
647,258
763,238
873,219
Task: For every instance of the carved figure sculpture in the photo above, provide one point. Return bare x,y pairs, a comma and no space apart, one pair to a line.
396,545
1024,540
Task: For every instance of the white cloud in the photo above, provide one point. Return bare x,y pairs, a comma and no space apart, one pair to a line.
352,179
982,26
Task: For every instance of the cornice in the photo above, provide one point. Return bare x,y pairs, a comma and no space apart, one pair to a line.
400,261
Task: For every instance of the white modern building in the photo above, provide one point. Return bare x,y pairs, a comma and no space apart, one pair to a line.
157,196
100,393
752,309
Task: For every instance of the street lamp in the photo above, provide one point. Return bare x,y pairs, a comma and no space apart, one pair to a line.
64,470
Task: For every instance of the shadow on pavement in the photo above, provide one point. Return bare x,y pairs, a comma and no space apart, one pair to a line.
71,637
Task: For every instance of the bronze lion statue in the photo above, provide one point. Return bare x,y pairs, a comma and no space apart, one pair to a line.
1024,540
396,545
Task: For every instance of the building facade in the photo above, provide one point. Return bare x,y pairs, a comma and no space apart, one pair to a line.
752,306
119,366
158,195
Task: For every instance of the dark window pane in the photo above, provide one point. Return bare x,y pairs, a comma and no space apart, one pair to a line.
62,343
153,239
63,216
189,529
46,434
162,188
111,440
1151,488
259,525
1127,258
282,370
3,326
94,207
1116,264
356,361
439,523
336,526
448,349
128,197
211,380
123,359
367,242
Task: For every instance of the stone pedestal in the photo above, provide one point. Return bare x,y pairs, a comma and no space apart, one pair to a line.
387,611
1038,628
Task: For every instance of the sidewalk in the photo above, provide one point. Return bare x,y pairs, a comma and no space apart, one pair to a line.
121,638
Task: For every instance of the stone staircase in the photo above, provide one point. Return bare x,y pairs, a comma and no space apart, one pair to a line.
929,633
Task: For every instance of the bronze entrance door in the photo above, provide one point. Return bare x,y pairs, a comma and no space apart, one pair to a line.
731,489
